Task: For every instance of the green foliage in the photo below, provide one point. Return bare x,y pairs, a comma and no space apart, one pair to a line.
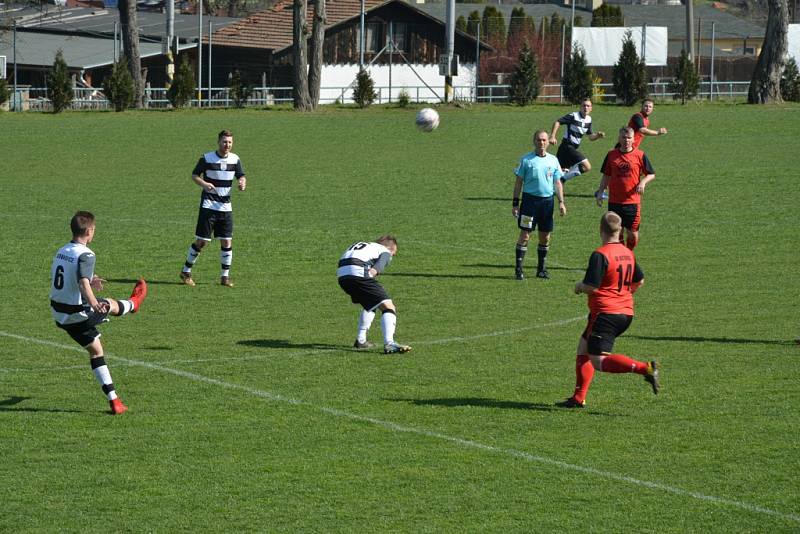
461,24
556,24
238,90
578,21
403,99
4,91
473,22
629,74
686,82
790,81
577,80
119,86
182,89
59,84
607,15
364,92
517,23
493,26
525,78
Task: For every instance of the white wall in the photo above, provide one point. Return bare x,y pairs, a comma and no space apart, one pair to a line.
603,45
794,42
337,77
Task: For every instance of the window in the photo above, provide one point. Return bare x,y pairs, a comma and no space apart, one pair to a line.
372,37
400,31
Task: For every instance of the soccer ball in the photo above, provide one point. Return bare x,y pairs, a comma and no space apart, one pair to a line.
427,119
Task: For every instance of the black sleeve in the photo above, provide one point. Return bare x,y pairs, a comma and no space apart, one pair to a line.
648,167
239,171
638,122
638,273
603,166
566,119
383,261
200,168
598,265
86,265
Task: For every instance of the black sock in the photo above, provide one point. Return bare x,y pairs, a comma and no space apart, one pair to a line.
541,251
520,254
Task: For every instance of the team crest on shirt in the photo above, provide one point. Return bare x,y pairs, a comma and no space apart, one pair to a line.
223,165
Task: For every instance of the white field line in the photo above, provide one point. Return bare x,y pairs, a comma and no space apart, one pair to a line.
466,443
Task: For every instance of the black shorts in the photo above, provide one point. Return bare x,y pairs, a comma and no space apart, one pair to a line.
568,155
629,213
603,329
218,222
85,332
365,291
536,212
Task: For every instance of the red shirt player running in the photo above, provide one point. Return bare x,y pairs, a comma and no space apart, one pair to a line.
640,122
610,281
622,175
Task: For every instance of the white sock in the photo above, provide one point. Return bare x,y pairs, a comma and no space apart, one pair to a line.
574,171
125,306
364,322
103,375
388,324
225,259
191,258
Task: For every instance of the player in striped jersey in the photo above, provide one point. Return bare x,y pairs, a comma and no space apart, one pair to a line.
215,173
75,307
358,267
578,123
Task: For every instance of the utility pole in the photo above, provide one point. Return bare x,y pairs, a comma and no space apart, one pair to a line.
170,38
361,39
450,31
199,53
690,29
16,96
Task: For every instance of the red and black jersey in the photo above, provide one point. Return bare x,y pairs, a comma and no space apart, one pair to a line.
637,122
612,270
623,171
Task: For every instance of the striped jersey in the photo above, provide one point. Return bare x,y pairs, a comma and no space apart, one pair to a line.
360,257
72,262
221,172
577,127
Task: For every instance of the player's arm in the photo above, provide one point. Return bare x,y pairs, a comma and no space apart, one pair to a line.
638,278
562,208
595,271
380,265
198,173
648,131
86,274
516,197
239,173
649,176
554,130
596,135
601,187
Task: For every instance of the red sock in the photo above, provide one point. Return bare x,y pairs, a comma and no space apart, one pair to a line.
631,241
619,363
584,372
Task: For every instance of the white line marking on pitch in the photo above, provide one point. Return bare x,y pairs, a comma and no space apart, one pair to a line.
428,433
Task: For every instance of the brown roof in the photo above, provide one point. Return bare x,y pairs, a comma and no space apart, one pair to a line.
272,28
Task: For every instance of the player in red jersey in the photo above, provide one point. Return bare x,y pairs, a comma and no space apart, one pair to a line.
622,174
640,122
611,279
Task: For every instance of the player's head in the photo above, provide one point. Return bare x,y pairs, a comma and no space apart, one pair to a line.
626,139
647,106
610,226
225,141
389,241
586,106
541,140
82,224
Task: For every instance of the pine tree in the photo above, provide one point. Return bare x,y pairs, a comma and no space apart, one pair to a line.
119,86
516,26
525,78
180,92
686,83
607,15
461,24
577,77
493,26
629,74
473,22
790,81
364,92
59,84
238,90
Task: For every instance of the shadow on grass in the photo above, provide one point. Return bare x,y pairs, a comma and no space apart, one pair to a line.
286,344
149,282
510,265
465,276
14,400
481,402
11,401
488,199
730,340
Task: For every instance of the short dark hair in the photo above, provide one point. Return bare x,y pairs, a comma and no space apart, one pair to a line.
610,223
81,222
224,133
648,100
386,239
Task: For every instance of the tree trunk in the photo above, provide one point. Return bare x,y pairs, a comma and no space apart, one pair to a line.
130,47
302,100
317,46
766,84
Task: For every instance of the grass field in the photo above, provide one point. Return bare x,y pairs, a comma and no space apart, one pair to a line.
248,409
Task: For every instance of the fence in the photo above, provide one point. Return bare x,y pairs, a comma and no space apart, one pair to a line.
36,99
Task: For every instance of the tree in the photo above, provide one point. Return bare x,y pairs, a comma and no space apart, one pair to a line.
473,22
629,74
577,80
119,86
180,92
790,82
687,82
607,15
59,84
302,98
525,78
765,86
364,92
516,25
493,26
130,47
238,90
461,24
317,46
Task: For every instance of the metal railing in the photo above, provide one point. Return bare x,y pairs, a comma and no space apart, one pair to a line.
36,98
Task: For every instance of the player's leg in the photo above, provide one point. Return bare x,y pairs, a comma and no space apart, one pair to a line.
584,371
544,221
575,163
202,233
525,222
632,233
224,231
103,376
365,319
601,343
520,250
389,325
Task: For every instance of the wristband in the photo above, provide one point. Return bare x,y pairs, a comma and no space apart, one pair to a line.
515,202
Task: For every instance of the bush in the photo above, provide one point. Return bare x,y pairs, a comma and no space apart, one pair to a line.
607,15
630,76
364,93
181,91
790,81
59,84
4,94
525,78
239,91
686,82
119,86
403,99
577,77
